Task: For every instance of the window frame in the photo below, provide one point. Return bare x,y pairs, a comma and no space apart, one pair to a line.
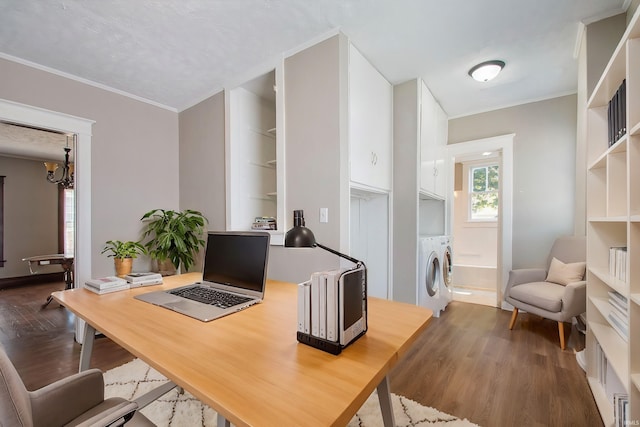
470,192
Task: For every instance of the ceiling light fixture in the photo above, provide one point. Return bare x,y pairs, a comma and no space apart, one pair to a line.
487,70
66,179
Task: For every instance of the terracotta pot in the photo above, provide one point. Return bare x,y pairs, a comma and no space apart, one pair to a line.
166,267
123,266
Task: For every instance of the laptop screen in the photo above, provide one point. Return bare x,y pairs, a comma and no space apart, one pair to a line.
237,259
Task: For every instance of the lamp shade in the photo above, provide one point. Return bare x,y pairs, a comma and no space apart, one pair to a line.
299,236
487,70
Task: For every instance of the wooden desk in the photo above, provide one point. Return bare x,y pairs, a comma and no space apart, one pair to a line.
248,366
65,261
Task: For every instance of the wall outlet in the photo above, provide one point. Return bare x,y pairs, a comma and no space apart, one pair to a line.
324,214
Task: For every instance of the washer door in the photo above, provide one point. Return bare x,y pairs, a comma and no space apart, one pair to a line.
447,267
432,278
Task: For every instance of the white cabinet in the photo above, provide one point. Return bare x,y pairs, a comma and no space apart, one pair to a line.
254,156
433,141
613,220
370,124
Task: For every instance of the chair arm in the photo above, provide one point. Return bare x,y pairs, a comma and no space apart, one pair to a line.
62,401
524,275
112,417
574,300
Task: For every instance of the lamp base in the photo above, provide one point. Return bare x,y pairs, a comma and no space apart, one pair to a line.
321,344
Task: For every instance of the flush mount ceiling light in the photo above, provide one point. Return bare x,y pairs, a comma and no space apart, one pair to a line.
487,70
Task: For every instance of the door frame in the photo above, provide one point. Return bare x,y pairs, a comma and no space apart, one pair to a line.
504,145
38,117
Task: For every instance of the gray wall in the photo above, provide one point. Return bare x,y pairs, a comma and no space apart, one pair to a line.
314,107
202,162
544,170
30,215
134,152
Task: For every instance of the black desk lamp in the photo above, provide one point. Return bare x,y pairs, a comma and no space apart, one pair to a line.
301,237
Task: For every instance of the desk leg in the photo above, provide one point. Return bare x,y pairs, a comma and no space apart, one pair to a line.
87,347
223,422
384,397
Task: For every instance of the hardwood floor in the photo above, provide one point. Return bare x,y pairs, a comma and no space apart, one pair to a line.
467,363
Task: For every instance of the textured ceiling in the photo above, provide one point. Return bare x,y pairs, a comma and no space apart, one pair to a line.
176,53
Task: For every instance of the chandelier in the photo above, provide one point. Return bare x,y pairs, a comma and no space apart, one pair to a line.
66,179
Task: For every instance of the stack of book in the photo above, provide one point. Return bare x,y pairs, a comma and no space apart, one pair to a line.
264,223
318,305
619,314
618,263
105,285
136,280
617,114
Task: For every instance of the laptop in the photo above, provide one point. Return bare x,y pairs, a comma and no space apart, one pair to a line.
234,277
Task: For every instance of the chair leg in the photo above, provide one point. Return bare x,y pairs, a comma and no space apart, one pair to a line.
561,332
513,318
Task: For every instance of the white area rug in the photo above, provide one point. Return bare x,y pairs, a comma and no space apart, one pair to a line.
183,410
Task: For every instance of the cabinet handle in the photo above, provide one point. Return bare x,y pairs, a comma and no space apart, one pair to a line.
374,158
435,171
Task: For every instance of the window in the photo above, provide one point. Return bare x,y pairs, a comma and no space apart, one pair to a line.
66,221
483,193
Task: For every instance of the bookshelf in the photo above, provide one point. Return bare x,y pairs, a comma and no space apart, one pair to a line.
613,221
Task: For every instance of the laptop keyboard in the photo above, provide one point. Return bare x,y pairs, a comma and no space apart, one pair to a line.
210,296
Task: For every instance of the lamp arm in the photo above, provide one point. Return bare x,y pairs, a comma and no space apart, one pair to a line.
353,260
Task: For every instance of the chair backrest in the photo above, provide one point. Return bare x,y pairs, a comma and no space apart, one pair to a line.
15,404
568,249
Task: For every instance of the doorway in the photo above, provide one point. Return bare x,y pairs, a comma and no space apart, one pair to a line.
45,119
480,213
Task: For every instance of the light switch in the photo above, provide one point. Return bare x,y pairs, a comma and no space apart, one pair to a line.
324,214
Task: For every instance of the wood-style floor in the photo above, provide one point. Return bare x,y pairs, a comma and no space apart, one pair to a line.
467,363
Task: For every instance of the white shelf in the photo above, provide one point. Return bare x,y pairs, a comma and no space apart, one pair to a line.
615,284
620,219
614,347
635,298
604,406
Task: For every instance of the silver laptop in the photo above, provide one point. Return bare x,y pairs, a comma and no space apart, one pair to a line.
234,277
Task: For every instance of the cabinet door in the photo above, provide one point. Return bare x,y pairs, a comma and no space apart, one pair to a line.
440,163
370,118
428,146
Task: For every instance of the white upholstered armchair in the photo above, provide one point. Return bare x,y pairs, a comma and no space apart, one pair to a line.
557,293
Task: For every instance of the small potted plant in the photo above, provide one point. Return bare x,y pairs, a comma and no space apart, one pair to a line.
123,254
174,237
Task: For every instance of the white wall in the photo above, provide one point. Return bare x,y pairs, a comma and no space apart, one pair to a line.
134,152
544,170
30,215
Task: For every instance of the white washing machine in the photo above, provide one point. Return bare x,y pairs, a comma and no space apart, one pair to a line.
429,290
446,264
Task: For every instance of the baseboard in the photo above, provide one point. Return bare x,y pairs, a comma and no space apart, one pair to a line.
36,279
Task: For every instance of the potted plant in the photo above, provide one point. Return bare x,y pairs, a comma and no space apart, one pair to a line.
123,254
174,236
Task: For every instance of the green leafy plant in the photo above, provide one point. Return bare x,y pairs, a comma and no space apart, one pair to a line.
176,236
128,249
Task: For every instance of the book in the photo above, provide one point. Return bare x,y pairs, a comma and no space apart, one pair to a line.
120,287
304,307
142,277
333,278
137,280
105,282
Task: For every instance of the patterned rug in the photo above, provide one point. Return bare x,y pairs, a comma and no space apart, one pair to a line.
183,410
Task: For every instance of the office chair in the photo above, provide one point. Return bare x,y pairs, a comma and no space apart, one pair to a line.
77,400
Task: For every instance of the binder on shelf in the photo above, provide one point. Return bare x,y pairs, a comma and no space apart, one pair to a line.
617,114
304,307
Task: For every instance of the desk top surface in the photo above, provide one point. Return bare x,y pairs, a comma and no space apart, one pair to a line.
249,366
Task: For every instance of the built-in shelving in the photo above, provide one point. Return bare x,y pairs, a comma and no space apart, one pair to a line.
613,221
